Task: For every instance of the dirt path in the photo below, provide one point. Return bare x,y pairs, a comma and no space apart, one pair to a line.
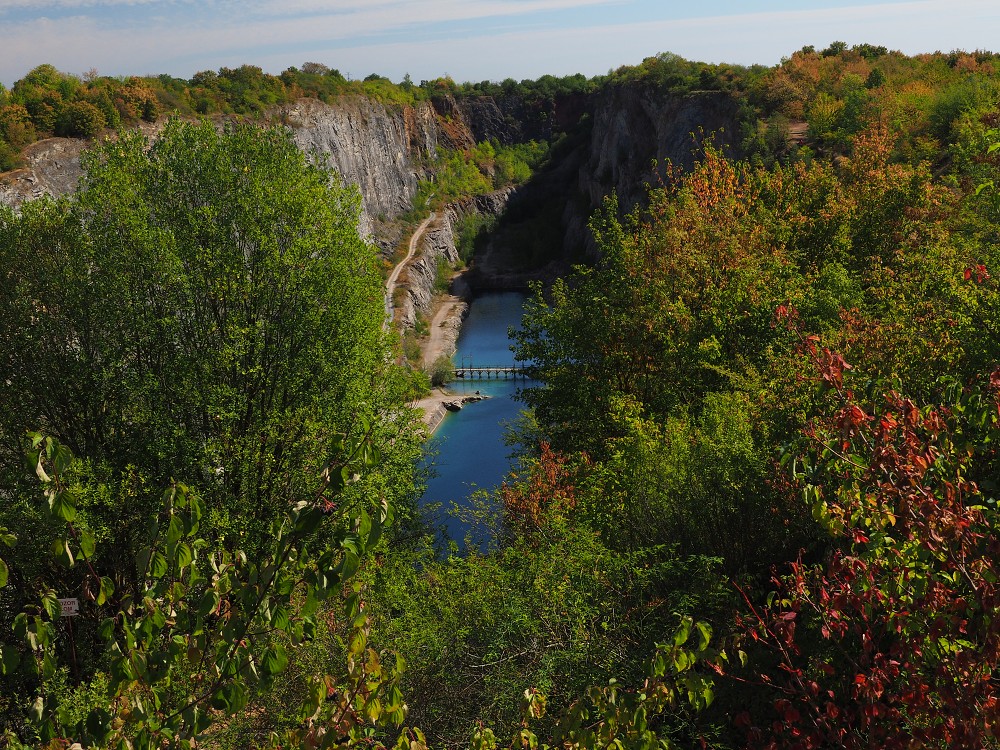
390,283
443,330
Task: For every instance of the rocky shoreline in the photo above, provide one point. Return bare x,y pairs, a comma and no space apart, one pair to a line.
439,403
446,326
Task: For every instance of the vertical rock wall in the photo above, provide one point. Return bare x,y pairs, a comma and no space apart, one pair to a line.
440,243
633,127
375,148
612,138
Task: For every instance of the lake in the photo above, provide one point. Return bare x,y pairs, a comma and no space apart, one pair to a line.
467,451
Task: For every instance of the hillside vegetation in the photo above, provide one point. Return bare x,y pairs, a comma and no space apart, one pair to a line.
757,498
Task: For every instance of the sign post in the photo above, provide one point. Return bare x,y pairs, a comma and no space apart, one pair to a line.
70,607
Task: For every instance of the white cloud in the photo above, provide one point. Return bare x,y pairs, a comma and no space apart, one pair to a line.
424,11
352,43
41,5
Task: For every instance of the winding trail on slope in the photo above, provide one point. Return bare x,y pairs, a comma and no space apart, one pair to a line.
441,340
390,284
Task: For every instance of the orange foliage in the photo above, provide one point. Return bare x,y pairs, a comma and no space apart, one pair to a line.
547,493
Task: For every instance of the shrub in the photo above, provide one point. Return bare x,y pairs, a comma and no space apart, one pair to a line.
81,119
442,371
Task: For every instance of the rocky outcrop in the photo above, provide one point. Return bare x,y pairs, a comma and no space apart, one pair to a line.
440,244
53,168
371,146
633,127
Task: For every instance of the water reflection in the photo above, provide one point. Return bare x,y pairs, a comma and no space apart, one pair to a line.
467,452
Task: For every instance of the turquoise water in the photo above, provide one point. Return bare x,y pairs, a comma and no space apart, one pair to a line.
467,452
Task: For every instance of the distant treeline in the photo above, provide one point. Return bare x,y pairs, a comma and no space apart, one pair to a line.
834,92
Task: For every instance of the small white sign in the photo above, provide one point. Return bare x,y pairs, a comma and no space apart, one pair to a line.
70,607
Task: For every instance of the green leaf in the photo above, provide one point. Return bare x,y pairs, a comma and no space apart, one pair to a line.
107,589
175,531
308,520
707,696
364,525
99,724
375,534
62,506
349,565
106,629
9,659
62,459
87,544
683,631
4,573
274,660
142,560
20,626
167,498
704,635
369,455
50,603
158,565
48,665
184,555
209,603
230,698
194,505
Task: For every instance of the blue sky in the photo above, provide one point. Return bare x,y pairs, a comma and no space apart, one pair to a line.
471,40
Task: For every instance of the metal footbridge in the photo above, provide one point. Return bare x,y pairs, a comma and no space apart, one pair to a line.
487,372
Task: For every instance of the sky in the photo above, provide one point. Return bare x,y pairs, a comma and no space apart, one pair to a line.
470,40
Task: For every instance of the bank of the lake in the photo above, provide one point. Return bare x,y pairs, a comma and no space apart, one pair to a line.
467,450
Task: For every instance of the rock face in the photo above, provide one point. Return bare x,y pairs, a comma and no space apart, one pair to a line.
632,127
611,139
370,146
439,243
53,169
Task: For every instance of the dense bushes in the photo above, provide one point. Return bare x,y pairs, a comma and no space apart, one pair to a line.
757,483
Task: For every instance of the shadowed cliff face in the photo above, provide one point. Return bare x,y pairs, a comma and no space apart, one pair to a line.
633,128
604,142
514,119
607,142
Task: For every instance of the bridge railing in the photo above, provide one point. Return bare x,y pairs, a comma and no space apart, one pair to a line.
486,372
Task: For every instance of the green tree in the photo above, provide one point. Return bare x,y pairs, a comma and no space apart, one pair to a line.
202,307
199,634
80,119
15,125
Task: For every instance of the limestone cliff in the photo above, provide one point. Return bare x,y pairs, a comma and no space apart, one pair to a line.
606,142
633,127
376,148
53,168
440,243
